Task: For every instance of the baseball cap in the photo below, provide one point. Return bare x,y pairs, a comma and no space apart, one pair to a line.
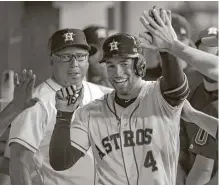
181,25
120,44
95,35
208,37
67,37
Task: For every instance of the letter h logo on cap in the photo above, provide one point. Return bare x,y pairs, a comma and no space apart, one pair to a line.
113,45
69,36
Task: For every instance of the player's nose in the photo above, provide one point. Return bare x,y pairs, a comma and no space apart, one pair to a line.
118,70
73,62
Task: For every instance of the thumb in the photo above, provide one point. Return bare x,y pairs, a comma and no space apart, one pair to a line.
81,96
59,95
33,101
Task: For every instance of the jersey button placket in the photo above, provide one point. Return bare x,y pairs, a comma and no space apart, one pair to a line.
124,121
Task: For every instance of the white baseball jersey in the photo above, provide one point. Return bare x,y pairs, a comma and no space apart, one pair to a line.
140,147
33,129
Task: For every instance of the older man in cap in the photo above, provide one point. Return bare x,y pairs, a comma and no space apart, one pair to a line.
31,130
95,36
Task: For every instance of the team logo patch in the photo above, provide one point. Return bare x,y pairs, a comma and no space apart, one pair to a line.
212,31
113,45
69,36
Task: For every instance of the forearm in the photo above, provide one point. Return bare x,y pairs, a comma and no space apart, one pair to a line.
4,165
214,180
204,62
201,171
174,85
62,154
171,71
7,116
204,121
20,174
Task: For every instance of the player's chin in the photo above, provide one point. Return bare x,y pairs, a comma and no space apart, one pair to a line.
121,89
75,80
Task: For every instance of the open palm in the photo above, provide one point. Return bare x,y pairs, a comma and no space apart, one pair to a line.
24,87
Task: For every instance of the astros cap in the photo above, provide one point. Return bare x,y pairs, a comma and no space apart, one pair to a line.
68,37
95,36
120,44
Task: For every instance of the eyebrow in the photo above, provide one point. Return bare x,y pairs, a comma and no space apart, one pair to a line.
121,61
84,53
108,62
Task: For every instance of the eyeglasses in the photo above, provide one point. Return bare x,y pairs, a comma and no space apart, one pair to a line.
68,57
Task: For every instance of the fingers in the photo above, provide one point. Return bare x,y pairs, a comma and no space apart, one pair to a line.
146,36
168,16
32,81
157,17
162,15
150,20
59,95
70,90
146,24
67,93
22,77
26,79
16,80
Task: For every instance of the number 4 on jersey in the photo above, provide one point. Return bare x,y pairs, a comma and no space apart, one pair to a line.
150,162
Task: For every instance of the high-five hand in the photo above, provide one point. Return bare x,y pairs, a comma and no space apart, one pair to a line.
68,99
24,87
159,34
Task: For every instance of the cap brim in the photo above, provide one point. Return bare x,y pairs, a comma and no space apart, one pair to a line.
87,47
119,55
211,41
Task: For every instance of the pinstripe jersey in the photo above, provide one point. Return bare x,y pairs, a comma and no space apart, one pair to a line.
136,145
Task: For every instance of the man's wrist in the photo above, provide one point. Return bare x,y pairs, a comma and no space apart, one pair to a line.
65,116
175,46
17,108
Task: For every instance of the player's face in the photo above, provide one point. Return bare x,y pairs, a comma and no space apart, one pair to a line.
70,66
121,74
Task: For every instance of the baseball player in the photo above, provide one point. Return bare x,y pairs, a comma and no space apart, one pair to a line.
32,129
95,36
133,131
199,146
18,98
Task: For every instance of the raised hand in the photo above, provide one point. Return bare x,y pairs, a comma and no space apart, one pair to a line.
24,87
159,34
68,99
